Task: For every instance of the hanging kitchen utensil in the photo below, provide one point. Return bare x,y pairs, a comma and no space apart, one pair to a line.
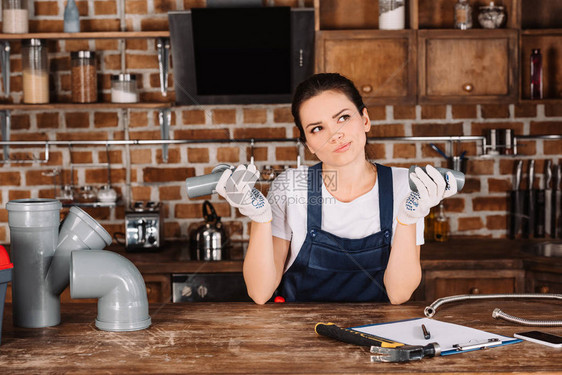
252,151
557,206
439,151
548,198
516,203
298,153
529,208
540,210
211,239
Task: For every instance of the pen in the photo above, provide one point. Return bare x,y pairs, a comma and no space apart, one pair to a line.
426,334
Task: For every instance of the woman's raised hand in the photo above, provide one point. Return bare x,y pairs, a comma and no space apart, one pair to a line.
238,189
432,188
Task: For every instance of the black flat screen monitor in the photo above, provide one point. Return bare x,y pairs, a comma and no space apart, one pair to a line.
240,55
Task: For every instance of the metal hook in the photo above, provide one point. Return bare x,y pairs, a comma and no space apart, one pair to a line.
252,152
71,165
108,165
5,62
298,153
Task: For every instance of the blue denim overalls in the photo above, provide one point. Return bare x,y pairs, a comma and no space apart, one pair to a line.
330,268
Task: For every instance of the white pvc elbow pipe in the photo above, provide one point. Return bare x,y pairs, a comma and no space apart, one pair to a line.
116,283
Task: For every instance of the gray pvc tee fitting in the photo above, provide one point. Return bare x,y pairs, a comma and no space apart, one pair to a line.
116,283
41,256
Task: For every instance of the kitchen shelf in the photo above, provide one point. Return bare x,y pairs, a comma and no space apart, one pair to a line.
85,106
89,35
91,204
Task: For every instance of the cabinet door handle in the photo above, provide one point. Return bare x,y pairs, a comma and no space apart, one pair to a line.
468,87
474,291
367,88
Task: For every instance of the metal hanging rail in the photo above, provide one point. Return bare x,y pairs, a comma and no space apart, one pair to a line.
251,141
166,142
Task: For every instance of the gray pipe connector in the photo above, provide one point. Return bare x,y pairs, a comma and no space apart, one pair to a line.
79,231
41,256
199,186
459,176
116,283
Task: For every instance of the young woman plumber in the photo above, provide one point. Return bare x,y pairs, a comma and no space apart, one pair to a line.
344,229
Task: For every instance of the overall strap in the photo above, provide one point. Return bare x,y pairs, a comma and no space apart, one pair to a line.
386,196
314,202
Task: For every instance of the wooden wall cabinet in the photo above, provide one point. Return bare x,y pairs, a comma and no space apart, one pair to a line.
382,64
467,66
541,27
453,66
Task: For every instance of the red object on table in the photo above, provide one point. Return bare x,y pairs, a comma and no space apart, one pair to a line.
4,259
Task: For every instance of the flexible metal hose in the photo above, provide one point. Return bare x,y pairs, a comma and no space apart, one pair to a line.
497,313
430,310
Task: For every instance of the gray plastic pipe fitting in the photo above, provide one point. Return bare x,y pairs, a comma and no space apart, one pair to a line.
459,176
41,256
116,283
199,186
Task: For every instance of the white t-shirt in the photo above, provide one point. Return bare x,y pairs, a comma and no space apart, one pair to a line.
359,218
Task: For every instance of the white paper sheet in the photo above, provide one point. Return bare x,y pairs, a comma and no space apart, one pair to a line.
445,334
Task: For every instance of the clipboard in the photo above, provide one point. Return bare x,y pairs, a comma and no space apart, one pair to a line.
453,338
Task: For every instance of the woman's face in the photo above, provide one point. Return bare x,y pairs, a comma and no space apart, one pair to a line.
335,131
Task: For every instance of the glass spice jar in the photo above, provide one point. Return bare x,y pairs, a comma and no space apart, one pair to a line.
35,71
124,88
15,17
83,77
463,15
391,14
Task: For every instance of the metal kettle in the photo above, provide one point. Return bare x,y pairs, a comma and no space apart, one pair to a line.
211,237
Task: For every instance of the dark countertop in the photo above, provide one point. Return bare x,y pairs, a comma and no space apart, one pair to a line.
465,253
244,338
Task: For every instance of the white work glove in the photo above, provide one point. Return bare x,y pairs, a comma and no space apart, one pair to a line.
432,188
238,189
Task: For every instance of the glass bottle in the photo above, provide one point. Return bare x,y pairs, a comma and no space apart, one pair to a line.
463,15
429,226
441,225
35,71
83,77
391,14
15,16
536,74
71,18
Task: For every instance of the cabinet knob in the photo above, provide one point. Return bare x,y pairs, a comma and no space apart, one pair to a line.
367,88
148,290
544,289
202,291
468,87
186,291
474,291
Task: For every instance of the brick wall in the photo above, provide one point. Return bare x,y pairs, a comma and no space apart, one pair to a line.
138,172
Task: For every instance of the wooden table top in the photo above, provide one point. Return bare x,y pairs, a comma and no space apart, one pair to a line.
244,338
